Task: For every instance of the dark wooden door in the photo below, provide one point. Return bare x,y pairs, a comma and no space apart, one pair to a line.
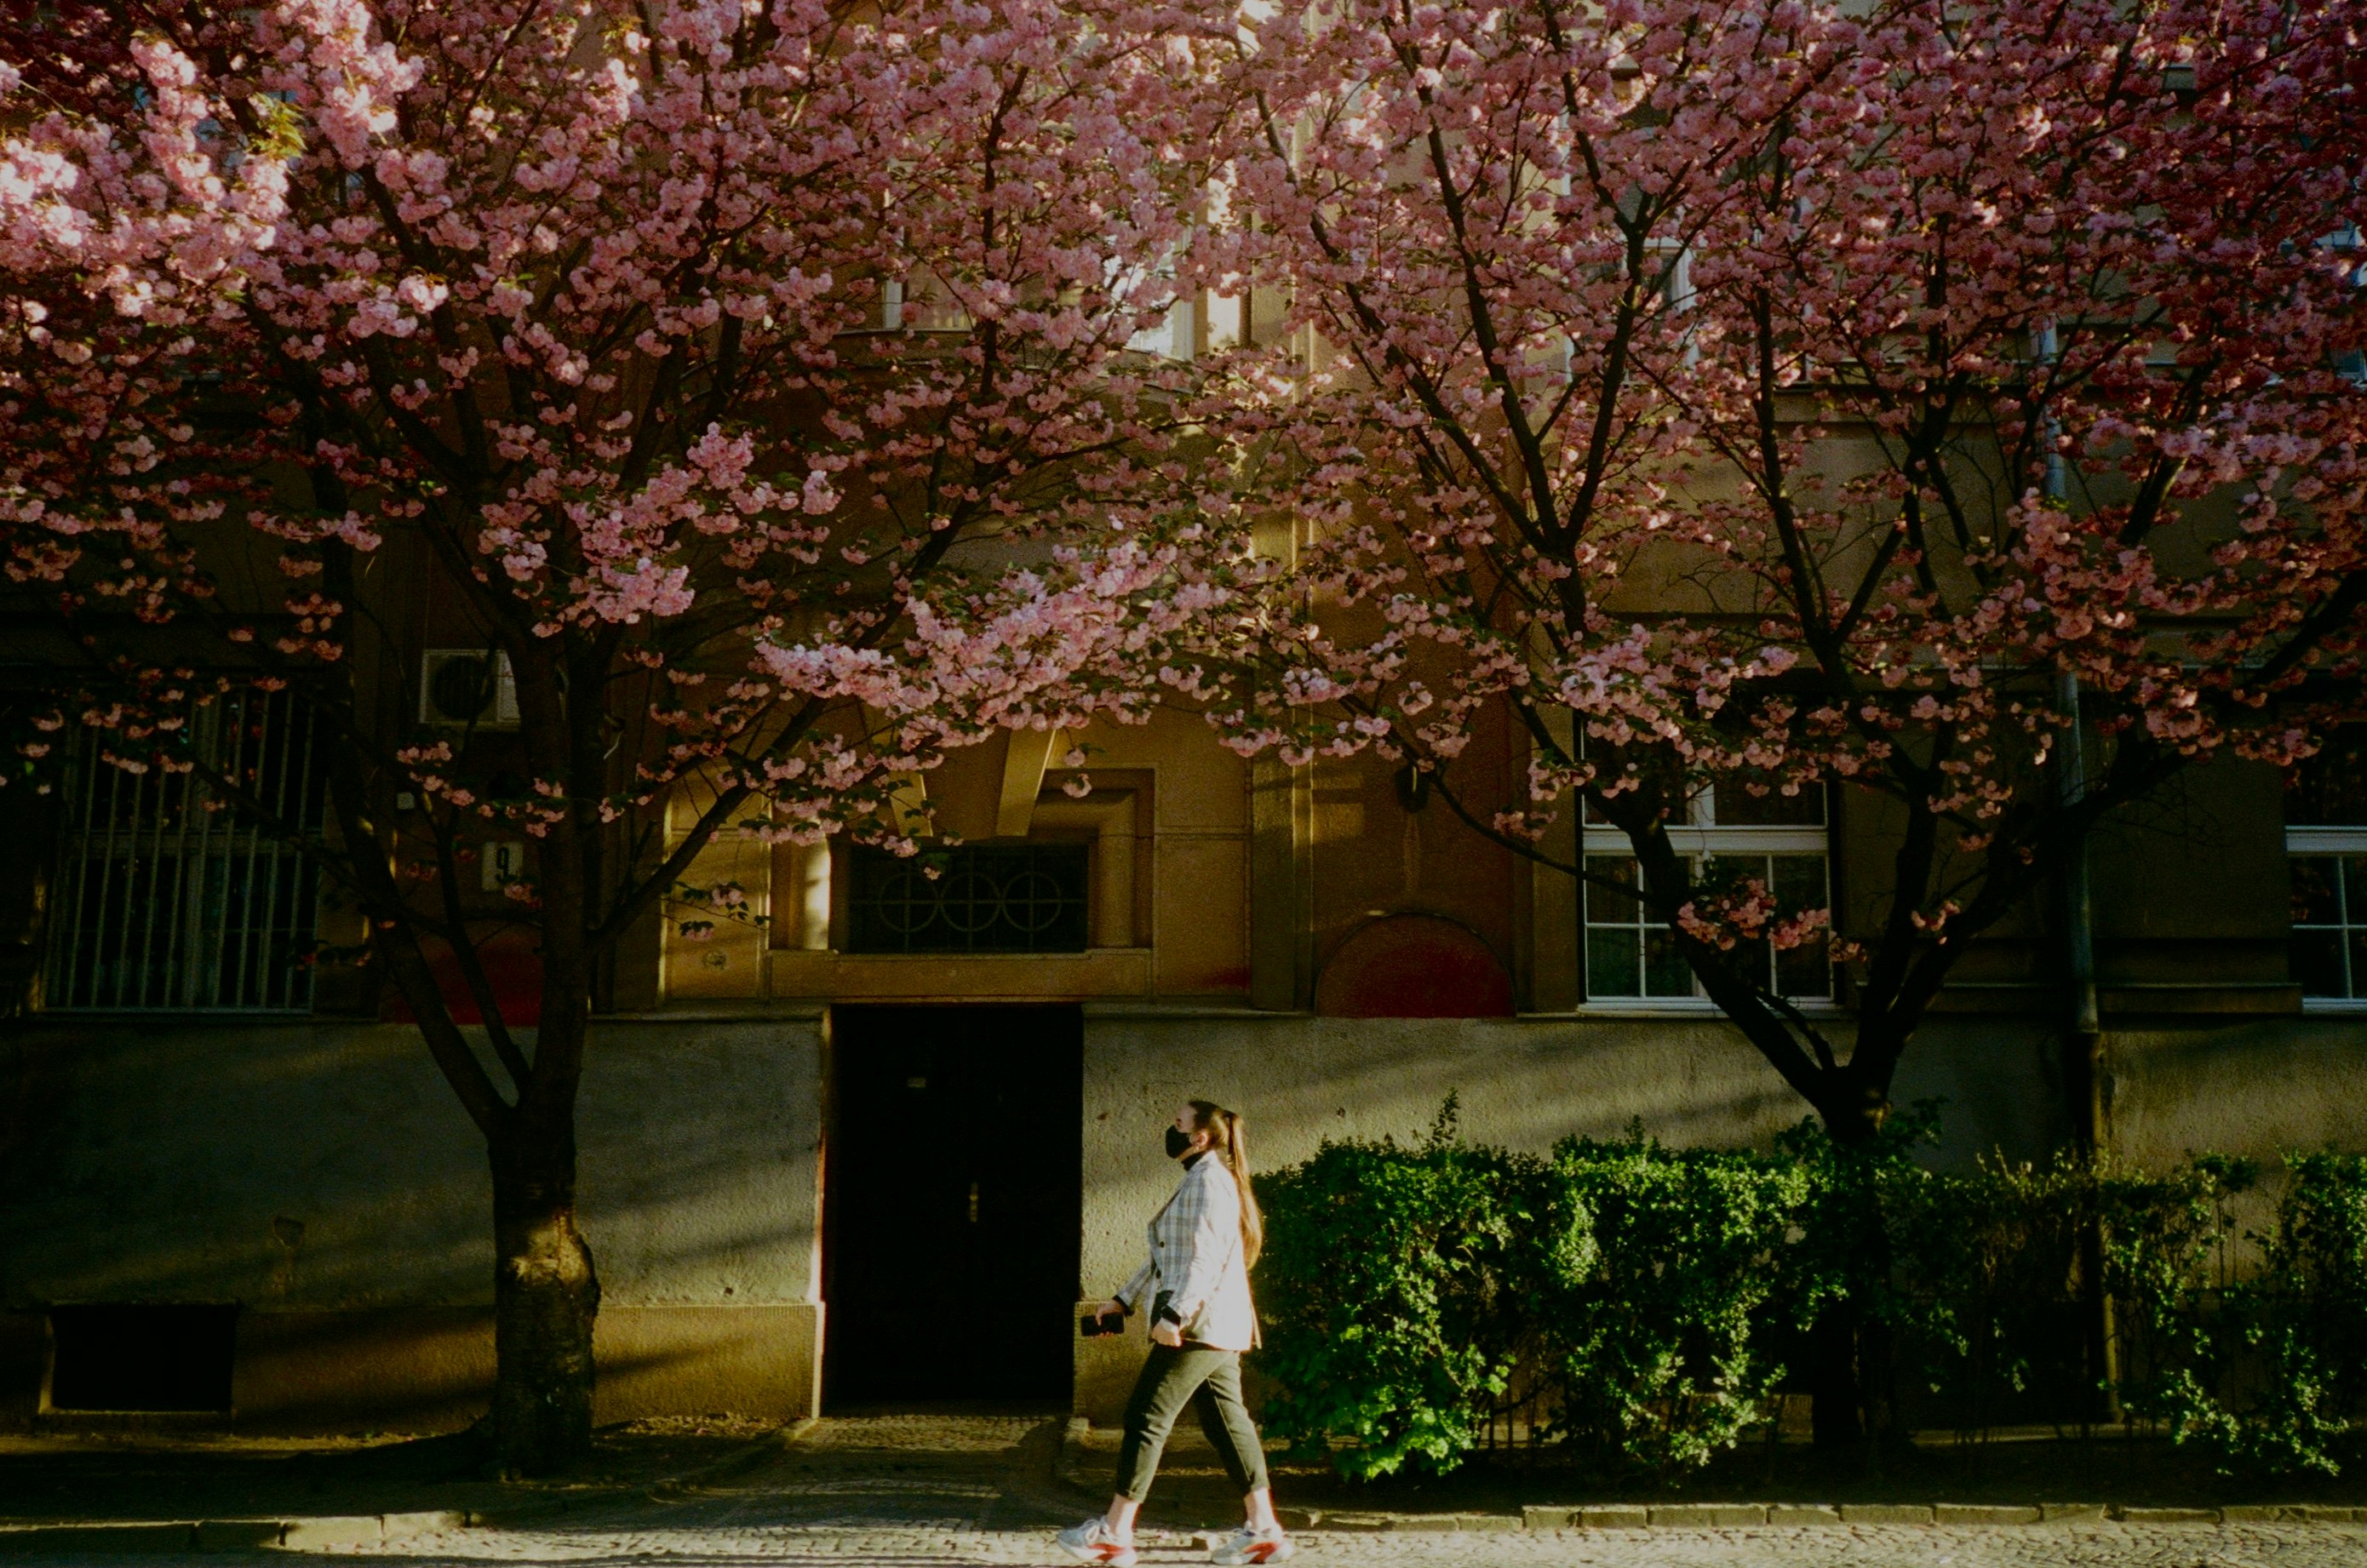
952,1187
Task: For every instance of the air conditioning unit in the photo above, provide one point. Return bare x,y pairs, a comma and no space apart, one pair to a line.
460,686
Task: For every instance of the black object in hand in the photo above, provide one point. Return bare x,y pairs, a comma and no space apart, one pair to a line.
1093,1325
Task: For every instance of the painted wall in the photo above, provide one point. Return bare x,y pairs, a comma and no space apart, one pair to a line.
322,1174
1522,1082
178,1165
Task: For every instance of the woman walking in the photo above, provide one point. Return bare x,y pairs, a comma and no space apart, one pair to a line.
1197,1282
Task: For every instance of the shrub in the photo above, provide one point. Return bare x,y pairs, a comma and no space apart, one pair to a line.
1639,1303
1393,1291
1986,1292
2277,1379
1654,1354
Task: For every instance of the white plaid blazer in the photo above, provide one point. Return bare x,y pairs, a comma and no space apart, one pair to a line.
1195,1261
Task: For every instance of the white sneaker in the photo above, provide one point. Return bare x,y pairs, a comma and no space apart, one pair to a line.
1246,1545
1092,1542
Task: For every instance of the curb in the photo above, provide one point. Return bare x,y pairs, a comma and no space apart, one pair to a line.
1749,1515
1794,1516
1943,1516
365,1532
334,1532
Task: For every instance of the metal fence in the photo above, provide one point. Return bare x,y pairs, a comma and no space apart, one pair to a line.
169,897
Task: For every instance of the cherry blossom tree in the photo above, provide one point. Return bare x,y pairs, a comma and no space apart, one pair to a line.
762,383
1948,406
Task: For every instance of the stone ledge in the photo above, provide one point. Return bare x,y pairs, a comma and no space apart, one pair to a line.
1984,1514
1946,1516
1708,1515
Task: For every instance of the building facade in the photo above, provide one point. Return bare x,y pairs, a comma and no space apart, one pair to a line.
822,1152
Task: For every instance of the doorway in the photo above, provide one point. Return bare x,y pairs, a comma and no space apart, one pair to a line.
951,1204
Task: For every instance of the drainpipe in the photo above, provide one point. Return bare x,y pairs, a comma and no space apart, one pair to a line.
2083,1051
2083,1046
2078,911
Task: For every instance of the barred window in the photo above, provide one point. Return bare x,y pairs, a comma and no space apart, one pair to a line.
972,898
1777,839
169,897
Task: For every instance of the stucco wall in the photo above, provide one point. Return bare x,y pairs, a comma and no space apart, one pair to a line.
1522,1082
322,1174
2256,1087
152,1164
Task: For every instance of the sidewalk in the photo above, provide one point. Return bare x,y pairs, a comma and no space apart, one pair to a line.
970,1488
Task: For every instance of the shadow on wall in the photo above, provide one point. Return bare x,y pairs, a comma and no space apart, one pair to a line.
1522,1083
431,1369
327,1167
2254,1089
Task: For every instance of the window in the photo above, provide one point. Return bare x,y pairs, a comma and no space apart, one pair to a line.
168,899
1631,955
142,1358
2326,853
972,898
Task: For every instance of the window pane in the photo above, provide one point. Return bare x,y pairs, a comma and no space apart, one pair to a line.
1604,907
1799,882
984,899
1738,807
2315,901
2354,886
2331,789
1611,966
1803,971
2317,963
1665,972
1755,961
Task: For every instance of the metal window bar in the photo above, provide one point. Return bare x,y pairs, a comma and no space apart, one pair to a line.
171,899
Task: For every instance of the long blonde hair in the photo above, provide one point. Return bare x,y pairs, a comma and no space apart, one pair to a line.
1224,1130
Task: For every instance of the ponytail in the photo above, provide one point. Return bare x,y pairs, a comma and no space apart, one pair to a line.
1226,1140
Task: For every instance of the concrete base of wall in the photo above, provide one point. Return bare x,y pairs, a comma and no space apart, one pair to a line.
431,1368
395,1370
699,1360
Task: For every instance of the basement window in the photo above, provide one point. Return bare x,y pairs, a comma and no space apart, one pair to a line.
120,1356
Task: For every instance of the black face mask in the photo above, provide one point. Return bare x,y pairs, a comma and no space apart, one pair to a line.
1179,1143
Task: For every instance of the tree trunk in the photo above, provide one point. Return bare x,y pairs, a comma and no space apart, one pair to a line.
1850,1381
546,1296
1833,1378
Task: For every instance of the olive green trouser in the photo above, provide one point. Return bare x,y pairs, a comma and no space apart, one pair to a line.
1210,1381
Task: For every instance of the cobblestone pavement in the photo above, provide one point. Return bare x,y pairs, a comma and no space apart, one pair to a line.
2095,1546
980,1491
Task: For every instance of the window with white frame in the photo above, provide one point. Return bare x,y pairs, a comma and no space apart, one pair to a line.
1728,833
2326,854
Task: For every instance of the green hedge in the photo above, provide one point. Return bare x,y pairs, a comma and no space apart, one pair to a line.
1638,1305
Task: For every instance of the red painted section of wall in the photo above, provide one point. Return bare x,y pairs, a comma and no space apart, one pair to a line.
512,967
1413,966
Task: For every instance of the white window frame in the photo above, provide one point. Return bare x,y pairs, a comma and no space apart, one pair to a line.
1702,838
2340,844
